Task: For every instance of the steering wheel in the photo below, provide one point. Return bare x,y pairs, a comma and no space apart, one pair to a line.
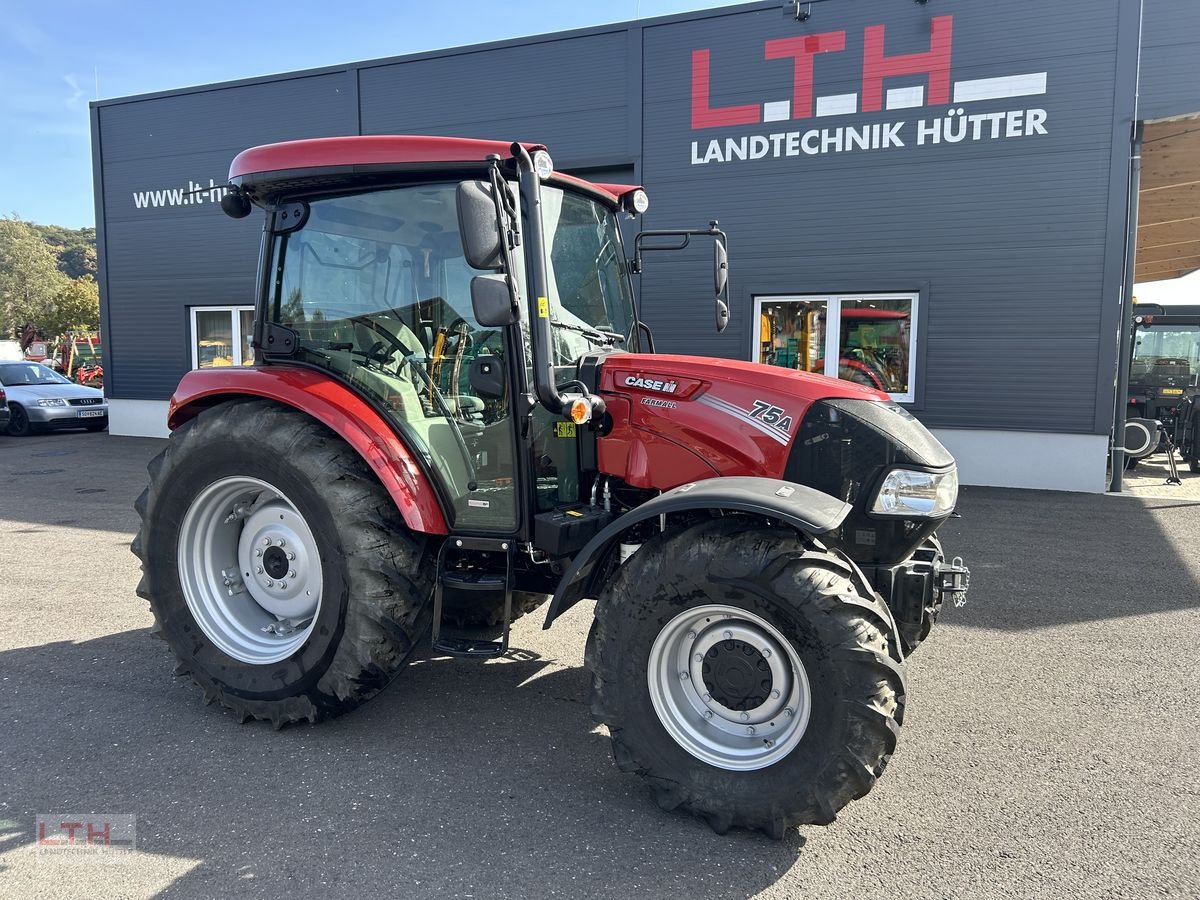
439,400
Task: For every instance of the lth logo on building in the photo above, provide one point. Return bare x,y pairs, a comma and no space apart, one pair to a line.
804,52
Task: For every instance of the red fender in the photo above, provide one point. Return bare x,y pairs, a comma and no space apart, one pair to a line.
334,405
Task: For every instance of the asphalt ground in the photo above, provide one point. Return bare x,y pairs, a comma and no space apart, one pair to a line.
1049,748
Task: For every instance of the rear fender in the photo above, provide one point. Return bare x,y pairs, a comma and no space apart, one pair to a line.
806,509
334,405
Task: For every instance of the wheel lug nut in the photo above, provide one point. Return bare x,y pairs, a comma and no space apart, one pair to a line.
746,717
270,583
729,635
266,542
683,676
292,574
699,657
766,652
691,635
707,697
258,569
283,585
708,714
258,552
291,555
774,695
749,729
788,712
282,542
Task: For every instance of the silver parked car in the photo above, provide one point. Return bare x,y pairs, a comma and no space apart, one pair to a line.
39,398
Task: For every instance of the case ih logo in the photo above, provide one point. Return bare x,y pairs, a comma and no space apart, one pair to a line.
933,65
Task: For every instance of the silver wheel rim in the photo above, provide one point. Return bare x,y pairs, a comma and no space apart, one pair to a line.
250,570
744,735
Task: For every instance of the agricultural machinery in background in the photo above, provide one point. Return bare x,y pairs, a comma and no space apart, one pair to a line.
1164,382
455,414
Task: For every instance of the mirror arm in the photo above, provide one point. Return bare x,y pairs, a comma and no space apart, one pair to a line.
507,226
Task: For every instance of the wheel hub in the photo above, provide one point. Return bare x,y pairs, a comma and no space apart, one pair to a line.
728,687
275,561
250,570
737,675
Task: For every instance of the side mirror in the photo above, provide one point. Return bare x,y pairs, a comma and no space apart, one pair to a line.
492,301
721,283
720,268
477,225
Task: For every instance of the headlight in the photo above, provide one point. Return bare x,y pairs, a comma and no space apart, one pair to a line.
906,492
543,165
53,402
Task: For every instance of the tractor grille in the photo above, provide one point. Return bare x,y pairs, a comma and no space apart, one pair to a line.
86,401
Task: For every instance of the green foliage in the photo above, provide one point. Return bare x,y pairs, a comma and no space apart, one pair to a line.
76,308
35,286
29,275
74,247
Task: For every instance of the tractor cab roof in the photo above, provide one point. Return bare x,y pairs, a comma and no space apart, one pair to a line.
320,164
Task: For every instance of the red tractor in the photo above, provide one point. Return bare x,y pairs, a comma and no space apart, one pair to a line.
455,414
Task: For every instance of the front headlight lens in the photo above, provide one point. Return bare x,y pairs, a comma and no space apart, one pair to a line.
52,402
906,492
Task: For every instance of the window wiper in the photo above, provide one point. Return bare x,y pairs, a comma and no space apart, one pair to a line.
608,338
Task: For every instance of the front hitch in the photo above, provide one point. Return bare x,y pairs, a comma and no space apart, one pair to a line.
954,579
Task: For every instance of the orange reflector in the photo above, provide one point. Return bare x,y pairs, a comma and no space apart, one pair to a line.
581,411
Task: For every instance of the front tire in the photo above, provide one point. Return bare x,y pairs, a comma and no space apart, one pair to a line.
747,675
327,613
18,421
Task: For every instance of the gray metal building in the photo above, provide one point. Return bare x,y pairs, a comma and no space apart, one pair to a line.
943,192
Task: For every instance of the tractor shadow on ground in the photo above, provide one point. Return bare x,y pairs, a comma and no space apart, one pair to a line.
460,778
1040,559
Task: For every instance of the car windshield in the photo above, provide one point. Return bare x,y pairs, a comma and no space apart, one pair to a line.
29,373
1157,347
591,301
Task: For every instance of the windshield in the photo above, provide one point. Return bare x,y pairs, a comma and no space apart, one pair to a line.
29,373
1158,348
591,302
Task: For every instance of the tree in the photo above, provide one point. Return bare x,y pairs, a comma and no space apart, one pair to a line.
74,247
30,280
76,307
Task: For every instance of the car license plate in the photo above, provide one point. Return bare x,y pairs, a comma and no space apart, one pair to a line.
1172,392
90,413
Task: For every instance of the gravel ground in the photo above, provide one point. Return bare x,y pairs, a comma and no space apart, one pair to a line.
1049,748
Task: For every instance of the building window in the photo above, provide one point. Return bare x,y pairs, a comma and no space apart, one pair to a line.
873,334
221,336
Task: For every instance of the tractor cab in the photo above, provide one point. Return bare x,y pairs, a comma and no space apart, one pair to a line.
401,280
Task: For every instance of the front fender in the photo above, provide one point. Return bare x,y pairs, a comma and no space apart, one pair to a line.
806,509
335,406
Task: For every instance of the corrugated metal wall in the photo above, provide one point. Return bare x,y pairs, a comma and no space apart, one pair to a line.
158,261
1005,239
1170,83
1009,241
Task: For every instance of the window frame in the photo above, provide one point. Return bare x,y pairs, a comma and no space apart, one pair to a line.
833,328
236,331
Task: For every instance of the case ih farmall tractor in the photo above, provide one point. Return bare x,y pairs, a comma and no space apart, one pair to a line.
455,413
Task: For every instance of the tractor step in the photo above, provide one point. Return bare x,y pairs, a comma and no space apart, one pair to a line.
476,552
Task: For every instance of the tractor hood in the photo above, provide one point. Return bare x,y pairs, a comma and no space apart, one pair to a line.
681,418
730,417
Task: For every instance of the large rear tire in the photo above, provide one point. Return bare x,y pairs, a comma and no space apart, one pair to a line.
747,675
277,567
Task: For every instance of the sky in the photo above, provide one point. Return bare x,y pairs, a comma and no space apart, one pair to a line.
56,57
